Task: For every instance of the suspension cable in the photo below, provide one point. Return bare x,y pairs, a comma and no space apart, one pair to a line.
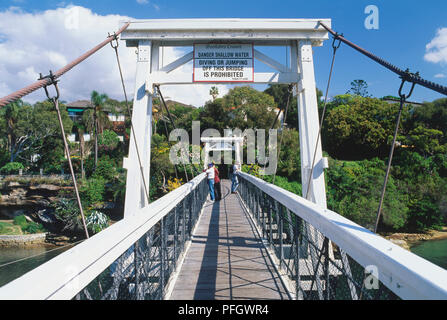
403,98
335,47
282,129
55,99
167,137
172,122
115,44
409,77
46,82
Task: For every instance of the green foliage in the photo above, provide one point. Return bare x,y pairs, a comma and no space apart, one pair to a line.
359,88
359,128
97,221
354,190
289,159
67,211
11,167
106,169
108,140
28,226
92,191
283,182
249,108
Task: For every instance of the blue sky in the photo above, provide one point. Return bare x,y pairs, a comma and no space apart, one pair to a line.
405,29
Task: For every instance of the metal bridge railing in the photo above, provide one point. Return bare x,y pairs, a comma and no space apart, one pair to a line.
322,255
131,260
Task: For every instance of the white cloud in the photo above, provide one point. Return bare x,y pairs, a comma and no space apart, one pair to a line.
48,40
440,75
436,50
143,1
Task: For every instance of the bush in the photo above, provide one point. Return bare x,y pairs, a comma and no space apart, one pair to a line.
12,167
105,169
67,211
28,227
34,227
97,221
92,191
108,140
21,221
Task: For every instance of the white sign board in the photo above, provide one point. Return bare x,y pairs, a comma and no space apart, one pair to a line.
223,63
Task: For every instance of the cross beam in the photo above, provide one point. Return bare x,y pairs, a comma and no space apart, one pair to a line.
298,35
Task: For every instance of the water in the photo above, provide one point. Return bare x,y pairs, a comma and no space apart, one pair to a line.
434,251
14,271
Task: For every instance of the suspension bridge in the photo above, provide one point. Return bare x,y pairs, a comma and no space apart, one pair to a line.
261,243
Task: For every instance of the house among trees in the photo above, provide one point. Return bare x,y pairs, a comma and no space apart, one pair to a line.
112,109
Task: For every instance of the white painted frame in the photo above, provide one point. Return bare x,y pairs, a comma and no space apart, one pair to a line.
210,142
300,35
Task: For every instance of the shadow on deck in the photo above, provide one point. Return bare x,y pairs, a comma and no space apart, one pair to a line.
226,259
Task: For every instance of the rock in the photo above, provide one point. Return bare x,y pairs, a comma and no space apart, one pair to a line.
401,243
46,216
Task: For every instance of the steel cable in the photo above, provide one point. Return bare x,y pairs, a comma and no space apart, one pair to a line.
45,82
407,76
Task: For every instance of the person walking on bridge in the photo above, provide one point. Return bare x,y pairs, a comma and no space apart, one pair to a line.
234,177
210,173
217,186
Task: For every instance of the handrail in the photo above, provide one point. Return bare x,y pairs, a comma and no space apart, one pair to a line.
67,274
404,273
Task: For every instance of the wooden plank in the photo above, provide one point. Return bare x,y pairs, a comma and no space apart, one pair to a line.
226,260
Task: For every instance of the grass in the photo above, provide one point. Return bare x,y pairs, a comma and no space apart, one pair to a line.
28,227
9,229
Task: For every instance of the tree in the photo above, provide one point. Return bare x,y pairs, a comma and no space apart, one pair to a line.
11,114
280,93
98,119
432,115
30,130
249,108
359,88
361,128
214,92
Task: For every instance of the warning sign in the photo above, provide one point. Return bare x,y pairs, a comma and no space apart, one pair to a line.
223,63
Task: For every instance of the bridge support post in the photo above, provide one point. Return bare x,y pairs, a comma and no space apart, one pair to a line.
136,197
308,121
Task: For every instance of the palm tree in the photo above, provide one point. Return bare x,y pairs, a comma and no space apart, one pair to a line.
214,92
100,118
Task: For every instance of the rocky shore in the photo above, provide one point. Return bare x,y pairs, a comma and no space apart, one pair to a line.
407,240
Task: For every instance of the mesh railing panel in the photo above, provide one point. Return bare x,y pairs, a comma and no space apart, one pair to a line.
142,272
316,266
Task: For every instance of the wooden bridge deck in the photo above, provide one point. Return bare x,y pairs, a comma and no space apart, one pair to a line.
227,260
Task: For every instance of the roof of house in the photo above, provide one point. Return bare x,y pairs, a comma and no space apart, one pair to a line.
79,104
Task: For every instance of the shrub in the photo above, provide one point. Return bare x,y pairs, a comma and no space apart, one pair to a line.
34,227
174,184
28,227
12,167
97,221
105,169
67,212
21,221
108,140
92,191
